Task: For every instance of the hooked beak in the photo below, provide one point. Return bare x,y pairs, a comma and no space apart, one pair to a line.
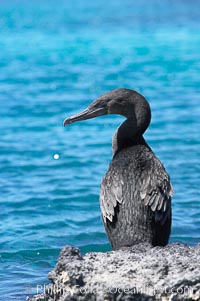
86,114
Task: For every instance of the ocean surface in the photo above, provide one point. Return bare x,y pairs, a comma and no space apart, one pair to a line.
55,58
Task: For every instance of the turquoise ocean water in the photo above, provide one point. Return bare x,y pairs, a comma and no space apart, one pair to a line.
55,58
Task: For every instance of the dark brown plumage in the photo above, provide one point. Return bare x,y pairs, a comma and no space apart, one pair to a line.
135,195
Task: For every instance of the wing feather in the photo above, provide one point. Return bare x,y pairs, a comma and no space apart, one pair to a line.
152,184
111,195
157,190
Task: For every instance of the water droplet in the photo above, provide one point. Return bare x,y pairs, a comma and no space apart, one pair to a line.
56,156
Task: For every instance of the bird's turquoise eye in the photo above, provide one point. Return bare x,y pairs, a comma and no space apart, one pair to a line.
103,103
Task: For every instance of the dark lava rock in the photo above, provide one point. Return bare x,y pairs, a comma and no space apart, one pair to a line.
139,273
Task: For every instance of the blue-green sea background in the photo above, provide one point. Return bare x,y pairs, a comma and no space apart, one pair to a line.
55,58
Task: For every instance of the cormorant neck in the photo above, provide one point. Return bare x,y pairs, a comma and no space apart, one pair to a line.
127,135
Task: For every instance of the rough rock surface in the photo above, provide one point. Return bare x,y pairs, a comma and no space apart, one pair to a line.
140,273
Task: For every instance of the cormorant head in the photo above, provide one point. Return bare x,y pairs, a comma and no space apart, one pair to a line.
121,101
